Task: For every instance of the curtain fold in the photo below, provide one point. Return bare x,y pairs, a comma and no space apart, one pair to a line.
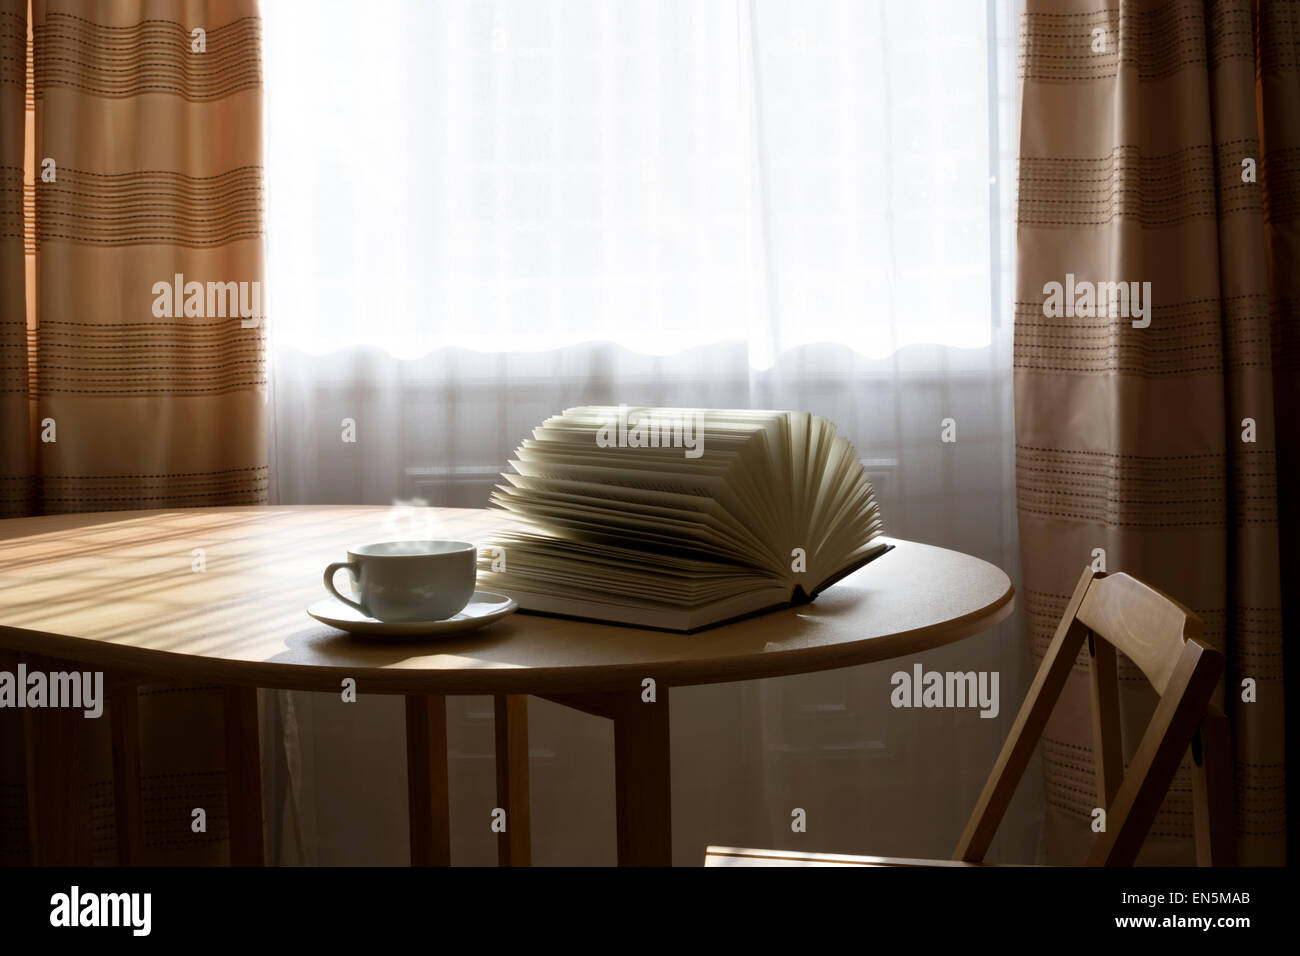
132,332
1159,147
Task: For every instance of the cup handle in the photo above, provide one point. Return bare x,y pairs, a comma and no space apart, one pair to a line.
334,569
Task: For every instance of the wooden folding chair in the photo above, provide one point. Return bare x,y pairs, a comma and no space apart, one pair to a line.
1163,638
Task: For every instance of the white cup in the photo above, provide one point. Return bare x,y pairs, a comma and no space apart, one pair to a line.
409,580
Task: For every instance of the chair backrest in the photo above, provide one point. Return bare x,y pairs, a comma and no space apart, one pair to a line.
1144,625
1163,639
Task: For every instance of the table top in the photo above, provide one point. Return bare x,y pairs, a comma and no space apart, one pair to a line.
117,590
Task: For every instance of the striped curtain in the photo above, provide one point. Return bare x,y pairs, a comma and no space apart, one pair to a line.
132,345
1160,143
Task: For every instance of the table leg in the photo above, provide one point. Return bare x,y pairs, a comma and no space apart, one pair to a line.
58,788
128,807
514,847
244,776
642,782
13,816
642,771
426,779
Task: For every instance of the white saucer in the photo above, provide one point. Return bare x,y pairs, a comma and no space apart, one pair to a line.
483,608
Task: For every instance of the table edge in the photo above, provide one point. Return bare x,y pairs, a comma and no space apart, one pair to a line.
167,665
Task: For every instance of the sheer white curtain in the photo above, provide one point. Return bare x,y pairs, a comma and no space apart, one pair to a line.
484,211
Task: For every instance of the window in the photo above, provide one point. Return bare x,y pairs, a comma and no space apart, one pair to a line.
524,175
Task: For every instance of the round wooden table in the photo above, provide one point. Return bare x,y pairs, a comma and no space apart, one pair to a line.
119,591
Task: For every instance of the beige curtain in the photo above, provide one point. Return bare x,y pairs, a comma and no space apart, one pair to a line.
131,156
1160,143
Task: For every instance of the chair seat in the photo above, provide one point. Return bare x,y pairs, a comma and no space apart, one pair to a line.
740,856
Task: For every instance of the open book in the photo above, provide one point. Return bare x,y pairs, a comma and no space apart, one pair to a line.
679,518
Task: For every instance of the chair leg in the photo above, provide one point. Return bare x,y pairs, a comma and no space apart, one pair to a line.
1020,743
1157,758
1212,797
1106,742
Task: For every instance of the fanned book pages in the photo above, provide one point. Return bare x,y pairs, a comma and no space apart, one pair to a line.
679,518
